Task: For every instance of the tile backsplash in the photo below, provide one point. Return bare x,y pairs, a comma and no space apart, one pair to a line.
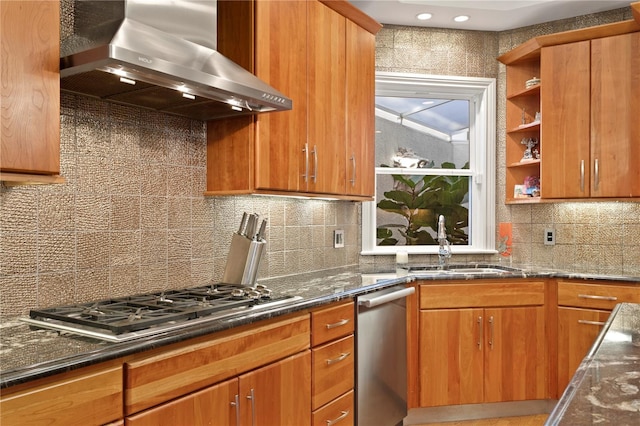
131,216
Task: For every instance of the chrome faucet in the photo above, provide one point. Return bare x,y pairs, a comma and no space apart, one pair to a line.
444,252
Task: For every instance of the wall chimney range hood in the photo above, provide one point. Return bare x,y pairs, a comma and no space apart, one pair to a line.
160,55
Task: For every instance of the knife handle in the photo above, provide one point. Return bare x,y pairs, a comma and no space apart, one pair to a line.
261,231
243,224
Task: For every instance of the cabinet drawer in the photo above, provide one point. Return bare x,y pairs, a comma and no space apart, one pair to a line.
338,412
471,295
170,374
333,370
93,397
604,295
330,323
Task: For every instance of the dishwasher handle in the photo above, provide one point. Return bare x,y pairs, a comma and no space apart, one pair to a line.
385,298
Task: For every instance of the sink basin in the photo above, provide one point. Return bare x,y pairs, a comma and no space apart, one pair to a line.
477,271
456,271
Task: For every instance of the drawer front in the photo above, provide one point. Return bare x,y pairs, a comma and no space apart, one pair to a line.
596,296
156,379
333,370
338,412
331,323
477,295
89,398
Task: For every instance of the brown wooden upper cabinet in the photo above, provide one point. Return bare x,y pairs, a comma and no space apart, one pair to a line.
589,99
590,130
321,55
30,138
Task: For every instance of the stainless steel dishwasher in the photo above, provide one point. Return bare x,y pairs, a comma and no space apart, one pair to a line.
381,357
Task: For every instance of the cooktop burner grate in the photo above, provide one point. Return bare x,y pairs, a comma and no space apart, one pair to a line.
139,312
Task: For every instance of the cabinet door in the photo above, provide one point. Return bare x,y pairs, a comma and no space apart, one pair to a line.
577,331
450,357
326,83
278,394
215,405
281,61
361,46
565,99
615,127
30,141
515,354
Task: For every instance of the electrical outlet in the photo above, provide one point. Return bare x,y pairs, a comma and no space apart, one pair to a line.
338,238
549,237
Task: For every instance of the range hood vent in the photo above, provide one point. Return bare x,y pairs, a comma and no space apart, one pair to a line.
159,55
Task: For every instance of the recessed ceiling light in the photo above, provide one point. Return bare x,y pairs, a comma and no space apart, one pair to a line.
423,16
461,18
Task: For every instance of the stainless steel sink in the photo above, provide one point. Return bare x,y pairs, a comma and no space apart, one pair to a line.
458,271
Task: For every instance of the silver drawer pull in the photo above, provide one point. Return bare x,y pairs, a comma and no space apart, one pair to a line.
590,322
337,324
591,296
343,414
340,358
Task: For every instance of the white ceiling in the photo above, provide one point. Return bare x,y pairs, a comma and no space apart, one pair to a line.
497,15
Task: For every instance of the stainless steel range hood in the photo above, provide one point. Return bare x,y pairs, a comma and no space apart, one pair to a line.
161,55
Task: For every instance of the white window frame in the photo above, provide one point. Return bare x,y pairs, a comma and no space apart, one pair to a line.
481,92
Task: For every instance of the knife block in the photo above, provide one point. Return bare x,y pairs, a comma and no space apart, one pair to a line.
243,261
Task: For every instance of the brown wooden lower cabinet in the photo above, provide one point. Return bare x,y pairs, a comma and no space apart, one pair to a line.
277,394
583,309
91,396
577,330
333,364
474,348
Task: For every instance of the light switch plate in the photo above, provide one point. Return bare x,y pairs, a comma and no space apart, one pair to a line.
338,238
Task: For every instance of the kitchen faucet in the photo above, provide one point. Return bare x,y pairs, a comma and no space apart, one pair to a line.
444,252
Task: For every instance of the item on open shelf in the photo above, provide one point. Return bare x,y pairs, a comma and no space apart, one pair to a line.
532,186
532,82
520,191
529,154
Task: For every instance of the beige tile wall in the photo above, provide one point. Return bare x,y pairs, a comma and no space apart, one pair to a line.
131,216
591,237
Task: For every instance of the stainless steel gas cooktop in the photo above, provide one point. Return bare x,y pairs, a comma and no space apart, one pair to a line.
132,317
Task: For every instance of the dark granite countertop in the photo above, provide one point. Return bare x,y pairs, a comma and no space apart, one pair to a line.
27,353
605,389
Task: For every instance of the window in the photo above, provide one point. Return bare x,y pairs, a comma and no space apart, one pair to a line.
435,155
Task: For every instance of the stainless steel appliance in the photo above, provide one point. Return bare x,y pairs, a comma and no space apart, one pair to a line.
159,55
381,357
131,317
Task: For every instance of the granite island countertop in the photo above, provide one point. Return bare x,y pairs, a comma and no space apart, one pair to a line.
605,389
28,353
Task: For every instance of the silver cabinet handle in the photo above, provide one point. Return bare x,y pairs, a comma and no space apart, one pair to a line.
353,175
491,332
343,414
314,176
252,397
596,178
236,404
342,357
337,324
593,296
305,175
581,175
480,333
590,322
